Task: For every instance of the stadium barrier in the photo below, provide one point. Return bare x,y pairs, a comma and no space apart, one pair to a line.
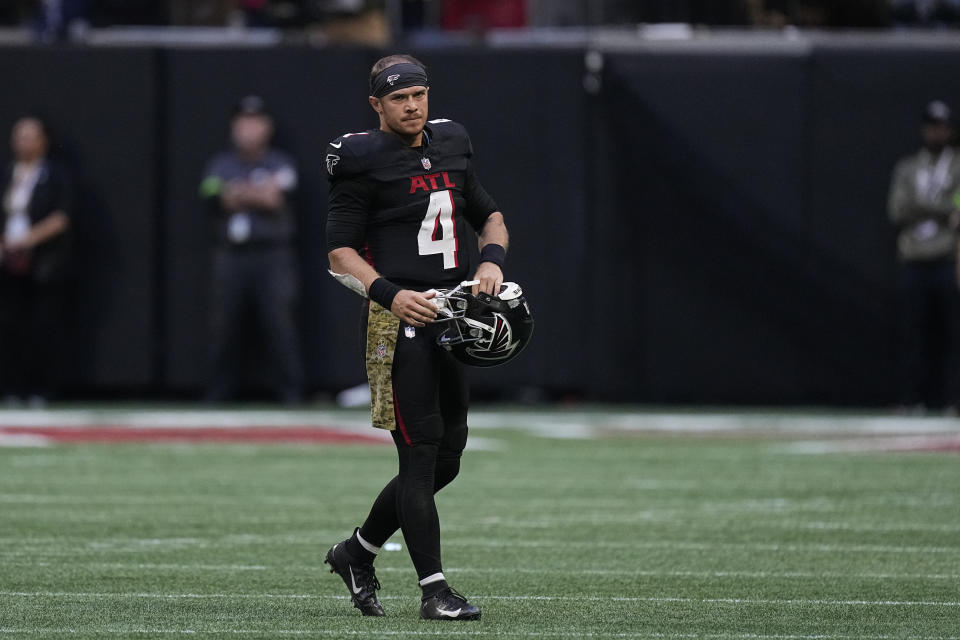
691,225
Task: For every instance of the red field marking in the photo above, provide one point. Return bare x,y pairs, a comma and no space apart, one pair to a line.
953,448
199,434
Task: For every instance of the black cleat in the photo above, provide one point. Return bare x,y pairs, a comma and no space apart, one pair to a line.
361,580
448,605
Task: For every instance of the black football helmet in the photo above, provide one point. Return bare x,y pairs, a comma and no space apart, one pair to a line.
484,330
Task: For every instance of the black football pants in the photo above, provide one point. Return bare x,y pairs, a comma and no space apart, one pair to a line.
31,324
929,334
430,396
255,283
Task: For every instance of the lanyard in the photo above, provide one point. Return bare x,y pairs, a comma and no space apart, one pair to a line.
930,183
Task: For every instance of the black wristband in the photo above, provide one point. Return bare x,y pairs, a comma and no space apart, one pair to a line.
493,253
382,291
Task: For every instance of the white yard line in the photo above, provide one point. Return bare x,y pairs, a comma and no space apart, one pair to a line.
875,444
639,573
148,500
573,424
511,598
136,544
180,418
789,513
549,422
598,511
20,440
452,632
706,546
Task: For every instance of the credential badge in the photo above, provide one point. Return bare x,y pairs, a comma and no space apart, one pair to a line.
393,78
410,332
426,163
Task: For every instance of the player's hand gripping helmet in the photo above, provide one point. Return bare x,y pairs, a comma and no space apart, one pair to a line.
484,330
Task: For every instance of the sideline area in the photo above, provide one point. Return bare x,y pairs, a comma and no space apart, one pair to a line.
810,431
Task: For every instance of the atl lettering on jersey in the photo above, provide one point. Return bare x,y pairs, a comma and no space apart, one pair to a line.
428,182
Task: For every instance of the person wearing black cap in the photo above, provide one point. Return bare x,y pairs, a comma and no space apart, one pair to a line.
922,201
249,190
403,200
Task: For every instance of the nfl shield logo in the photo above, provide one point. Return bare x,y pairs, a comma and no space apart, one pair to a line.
426,163
409,332
381,351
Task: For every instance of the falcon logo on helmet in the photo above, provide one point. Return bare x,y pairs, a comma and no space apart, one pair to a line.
500,345
485,330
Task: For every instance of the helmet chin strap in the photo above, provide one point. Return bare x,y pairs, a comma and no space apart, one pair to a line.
463,285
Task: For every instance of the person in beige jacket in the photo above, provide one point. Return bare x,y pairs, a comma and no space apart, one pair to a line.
924,199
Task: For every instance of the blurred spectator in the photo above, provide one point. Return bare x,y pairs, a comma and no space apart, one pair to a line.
857,13
348,21
922,199
249,189
925,12
200,12
718,12
213,13
55,18
365,20
33,265
818,13
134,12
486,14
254,12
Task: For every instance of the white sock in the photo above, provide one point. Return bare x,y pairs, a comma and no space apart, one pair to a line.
437,577
366,545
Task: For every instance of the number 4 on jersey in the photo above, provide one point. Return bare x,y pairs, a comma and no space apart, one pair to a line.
437,231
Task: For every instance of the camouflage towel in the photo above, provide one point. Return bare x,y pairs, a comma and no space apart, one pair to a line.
382,329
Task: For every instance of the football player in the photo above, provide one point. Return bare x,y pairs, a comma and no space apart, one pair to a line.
402,197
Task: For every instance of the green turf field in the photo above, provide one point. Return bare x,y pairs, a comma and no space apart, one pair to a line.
623,536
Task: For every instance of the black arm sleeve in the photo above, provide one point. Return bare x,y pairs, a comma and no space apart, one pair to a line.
479,203
347,219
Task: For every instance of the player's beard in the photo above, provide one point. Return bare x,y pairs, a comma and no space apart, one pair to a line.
409,129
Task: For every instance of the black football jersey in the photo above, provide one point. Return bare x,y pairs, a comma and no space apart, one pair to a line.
407,209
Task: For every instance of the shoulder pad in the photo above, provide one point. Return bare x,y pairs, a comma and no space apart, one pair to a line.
347,155
446,125
451,135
